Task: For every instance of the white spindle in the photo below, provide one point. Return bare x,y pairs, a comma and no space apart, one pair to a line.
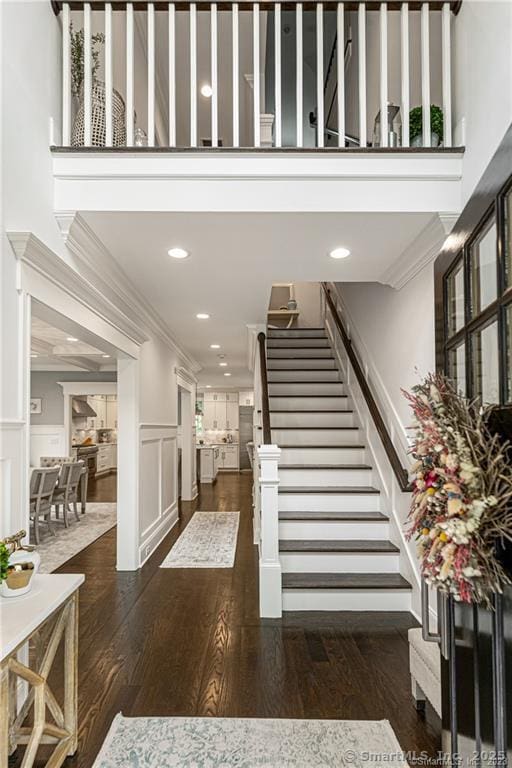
109,84
299,70
193,75
404,65
320,74
236,84
256,70
129,75
87,74
151,74
447,76
383,74
66,78
214,78
340,56
172,75
362,73
277,73
425,74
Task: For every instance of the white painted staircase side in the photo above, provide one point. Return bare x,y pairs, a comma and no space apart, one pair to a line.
334,546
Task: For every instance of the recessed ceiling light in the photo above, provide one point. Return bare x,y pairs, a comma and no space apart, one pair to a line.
105,355
202,316
33,354
71,338
214,346
208,386
178,253
206,90
223,365
339,253
227,374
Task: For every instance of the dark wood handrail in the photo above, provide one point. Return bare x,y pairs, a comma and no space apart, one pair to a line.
265,5
401,473
265,410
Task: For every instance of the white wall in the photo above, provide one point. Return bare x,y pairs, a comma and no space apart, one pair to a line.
482,83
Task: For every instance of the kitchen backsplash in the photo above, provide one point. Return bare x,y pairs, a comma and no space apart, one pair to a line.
96,435
215,436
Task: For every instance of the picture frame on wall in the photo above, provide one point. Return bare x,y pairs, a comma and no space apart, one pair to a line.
36,405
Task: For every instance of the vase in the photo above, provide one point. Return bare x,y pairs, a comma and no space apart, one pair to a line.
418,140
98,118
23,565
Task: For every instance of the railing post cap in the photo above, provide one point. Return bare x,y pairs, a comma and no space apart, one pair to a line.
269,451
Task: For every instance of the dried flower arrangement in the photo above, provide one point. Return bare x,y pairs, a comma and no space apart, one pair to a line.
461,509
77,57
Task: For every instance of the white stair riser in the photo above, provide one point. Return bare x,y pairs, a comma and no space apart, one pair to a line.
298,388
299,353
333,529
346,600
341,436
288,333
329,502
305,455
309,403
315,362
317,419
338,562
300,342
327,477
303,376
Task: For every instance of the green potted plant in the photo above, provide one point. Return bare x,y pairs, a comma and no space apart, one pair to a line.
19,563
98,97
416,126
4,561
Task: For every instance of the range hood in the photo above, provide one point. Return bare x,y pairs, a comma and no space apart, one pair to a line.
81,409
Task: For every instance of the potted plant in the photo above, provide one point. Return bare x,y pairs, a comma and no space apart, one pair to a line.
98,106
416,126
19,563
4,562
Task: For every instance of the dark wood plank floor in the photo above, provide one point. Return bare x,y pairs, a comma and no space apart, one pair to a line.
190,642
103,488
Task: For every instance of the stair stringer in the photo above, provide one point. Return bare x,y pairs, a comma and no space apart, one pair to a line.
395,502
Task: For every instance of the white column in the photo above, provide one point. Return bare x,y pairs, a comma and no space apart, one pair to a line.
193,75
425,73
66,78
404,65
128,464
447,76
172,75
299,70
109,85
277,72
362,73
340,58
320,75
256,71
236,85
151,74
87,74
270,565
129,75
383,74
214,77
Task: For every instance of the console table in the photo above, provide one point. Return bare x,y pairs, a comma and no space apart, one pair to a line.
43,617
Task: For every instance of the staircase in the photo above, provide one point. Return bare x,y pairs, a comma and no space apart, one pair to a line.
334,543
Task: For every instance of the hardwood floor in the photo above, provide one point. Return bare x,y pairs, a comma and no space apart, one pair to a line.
103,488
190,642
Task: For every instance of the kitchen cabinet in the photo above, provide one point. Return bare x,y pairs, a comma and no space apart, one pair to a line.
113,456
231,415
209,459
229,457
104,459
220,411
247,398
111,412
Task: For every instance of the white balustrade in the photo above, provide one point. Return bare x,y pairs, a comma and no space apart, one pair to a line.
378,64
270,565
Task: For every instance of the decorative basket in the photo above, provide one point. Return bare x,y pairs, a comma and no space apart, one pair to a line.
98,118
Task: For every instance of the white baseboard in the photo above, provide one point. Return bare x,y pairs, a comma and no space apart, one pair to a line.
158,534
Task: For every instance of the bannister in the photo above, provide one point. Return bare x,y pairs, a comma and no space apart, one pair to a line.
153,57
400,472
265,411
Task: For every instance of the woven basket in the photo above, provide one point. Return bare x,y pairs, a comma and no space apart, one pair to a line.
98,121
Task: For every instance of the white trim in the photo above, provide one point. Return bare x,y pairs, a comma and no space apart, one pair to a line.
88,387
252,342
94,259
422,251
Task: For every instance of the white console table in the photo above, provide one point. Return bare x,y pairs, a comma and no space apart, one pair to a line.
42,617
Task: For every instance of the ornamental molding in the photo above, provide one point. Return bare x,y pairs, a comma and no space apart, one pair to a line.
95,260
420,252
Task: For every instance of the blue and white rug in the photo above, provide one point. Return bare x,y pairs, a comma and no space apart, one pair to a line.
208,541
219,742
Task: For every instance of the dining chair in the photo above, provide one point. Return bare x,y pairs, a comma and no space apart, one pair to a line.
67,491
52,461
42,486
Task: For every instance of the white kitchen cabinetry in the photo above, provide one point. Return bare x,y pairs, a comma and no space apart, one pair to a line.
113,456
208,464
229,458
231,415
104,459
220,411
247,398
111,412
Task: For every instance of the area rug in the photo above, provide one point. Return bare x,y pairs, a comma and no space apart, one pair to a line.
68,542
219,742
208,541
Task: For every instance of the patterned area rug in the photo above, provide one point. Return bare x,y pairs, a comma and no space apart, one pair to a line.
218,742
208,541
56,550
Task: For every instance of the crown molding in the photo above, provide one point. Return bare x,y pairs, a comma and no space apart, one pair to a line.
96,261
32,252
420,252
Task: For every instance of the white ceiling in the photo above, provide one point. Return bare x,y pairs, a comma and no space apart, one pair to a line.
51,350
235,258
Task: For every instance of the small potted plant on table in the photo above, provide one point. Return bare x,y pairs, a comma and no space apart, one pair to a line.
416,126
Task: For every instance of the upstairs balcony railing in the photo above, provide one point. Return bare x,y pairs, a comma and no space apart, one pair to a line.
294,75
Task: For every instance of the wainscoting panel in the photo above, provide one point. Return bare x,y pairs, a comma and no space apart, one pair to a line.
13,515
46,440
158,485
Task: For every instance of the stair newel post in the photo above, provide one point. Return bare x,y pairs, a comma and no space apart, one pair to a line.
270,565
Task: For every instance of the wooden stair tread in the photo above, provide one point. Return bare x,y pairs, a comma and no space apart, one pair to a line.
362,516
313,428
283,410
344,581
326,466
299,357
321,489
308,381
318,447
337,545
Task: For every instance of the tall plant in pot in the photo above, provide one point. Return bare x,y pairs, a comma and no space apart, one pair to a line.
98,94
416,126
